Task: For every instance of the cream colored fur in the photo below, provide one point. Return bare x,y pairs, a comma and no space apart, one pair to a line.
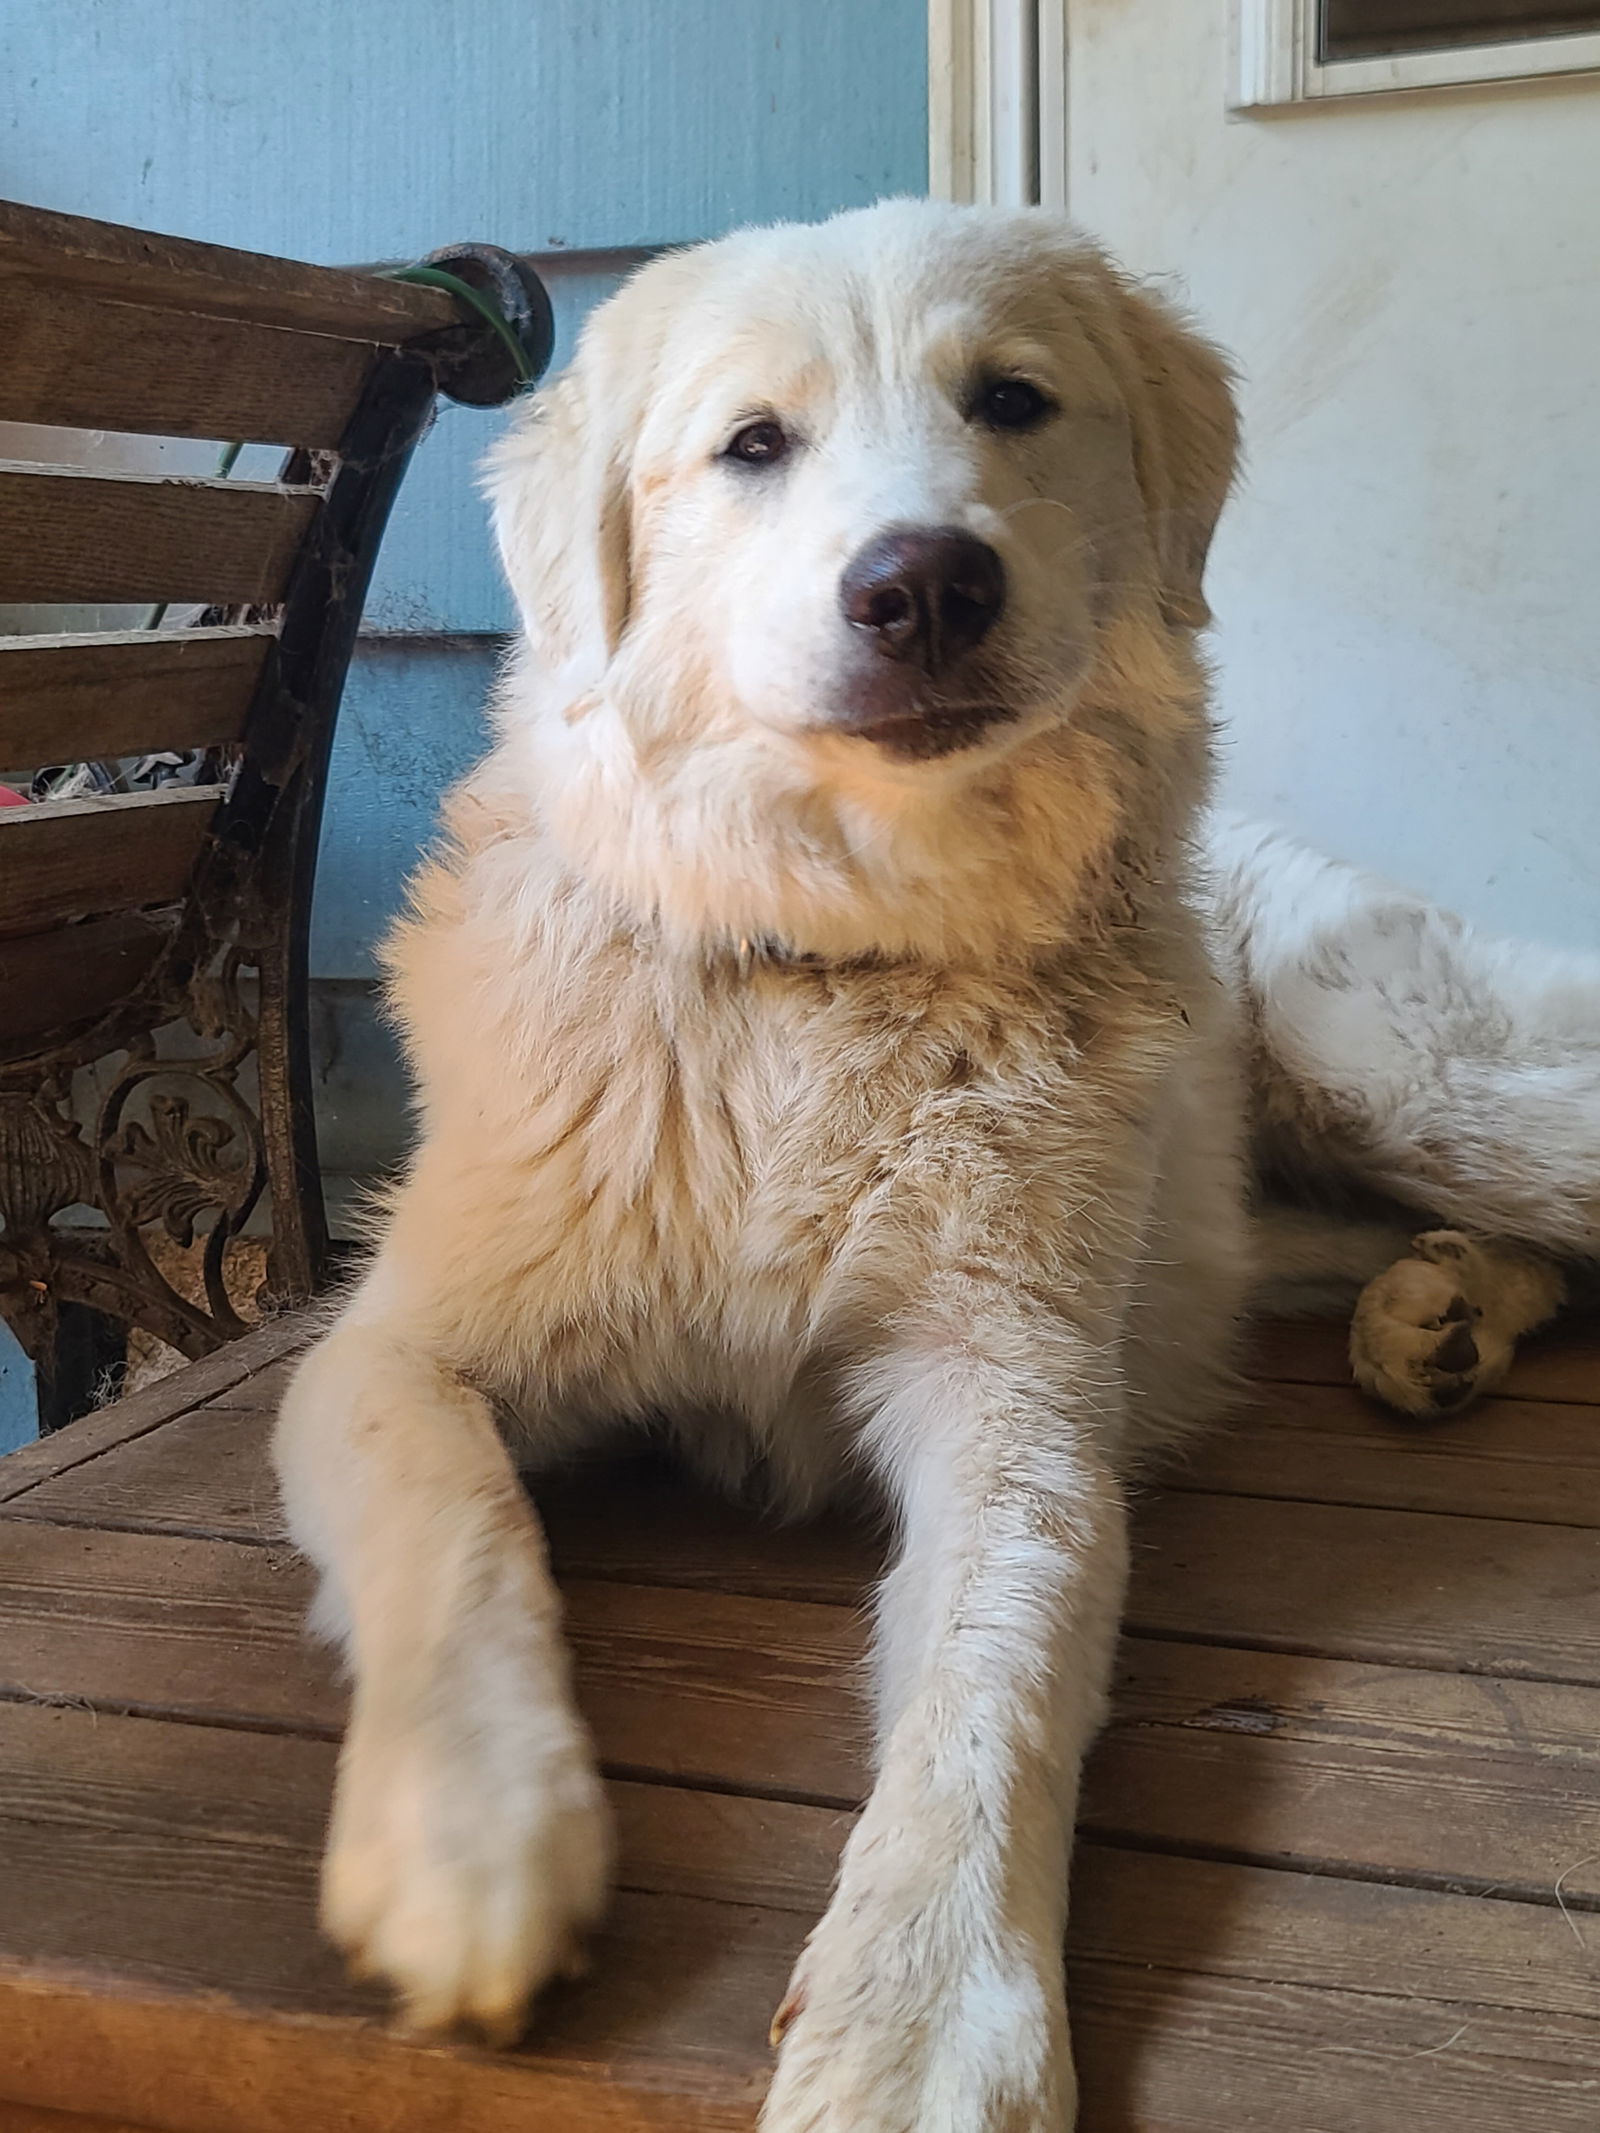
875,1119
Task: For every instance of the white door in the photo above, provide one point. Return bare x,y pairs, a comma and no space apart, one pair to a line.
1406,584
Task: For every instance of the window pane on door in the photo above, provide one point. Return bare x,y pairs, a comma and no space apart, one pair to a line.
1364,29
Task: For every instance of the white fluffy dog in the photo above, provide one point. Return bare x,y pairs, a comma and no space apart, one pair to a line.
825,1034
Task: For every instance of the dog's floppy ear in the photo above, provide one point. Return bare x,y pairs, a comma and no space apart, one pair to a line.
1185,441
559,484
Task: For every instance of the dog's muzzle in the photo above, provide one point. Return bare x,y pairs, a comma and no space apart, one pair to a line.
920,601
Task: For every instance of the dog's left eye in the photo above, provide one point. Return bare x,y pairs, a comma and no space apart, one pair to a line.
1012,404
759,444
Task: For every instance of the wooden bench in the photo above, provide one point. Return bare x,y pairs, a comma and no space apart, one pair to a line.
154,1068
1340,1868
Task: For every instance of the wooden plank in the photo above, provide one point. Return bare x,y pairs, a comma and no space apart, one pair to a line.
129,1622
703,1688
1319,1444
97,696
120,1801
114,1800
49,981
213,281
682,1685
1159,2052
222,1821
668,2037
206,1474
725,1847
28,2118
68,859
1333,1766
67,535
131,1418
260,1394
1218,1920
227,1827
175,1482
647,1526
1208,1995
1299,1351
80,361
217,2008
1468,1595
1477,1595
1563,1364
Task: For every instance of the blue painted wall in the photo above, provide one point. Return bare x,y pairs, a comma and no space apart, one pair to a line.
16,1394
377,130
374,129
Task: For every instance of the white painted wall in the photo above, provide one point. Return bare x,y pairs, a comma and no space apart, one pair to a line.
1408,584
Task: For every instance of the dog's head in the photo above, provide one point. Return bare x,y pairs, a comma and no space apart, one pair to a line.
866,496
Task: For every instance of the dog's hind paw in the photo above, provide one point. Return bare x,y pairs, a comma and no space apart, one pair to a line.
1437,1330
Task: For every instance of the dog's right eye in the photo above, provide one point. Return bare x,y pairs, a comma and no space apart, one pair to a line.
1012,404
759,444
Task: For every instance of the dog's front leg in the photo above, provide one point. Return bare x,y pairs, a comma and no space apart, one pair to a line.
930,1998
468,1848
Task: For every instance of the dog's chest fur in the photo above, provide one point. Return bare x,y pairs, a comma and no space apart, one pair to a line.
712,1178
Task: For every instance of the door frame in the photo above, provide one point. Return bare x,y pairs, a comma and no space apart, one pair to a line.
997,101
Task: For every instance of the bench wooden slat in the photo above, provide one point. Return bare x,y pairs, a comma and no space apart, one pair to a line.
1159,2054
49,981
1349,1581
66,859
1159,2050
139,266
77,361
70,536
105,694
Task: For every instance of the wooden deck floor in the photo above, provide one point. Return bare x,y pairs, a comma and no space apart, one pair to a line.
1340,1869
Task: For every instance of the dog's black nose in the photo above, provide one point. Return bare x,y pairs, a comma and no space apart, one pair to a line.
925,596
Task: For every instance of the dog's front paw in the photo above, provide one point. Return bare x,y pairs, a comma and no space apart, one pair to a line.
1425,1337
894,2025
467,1859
